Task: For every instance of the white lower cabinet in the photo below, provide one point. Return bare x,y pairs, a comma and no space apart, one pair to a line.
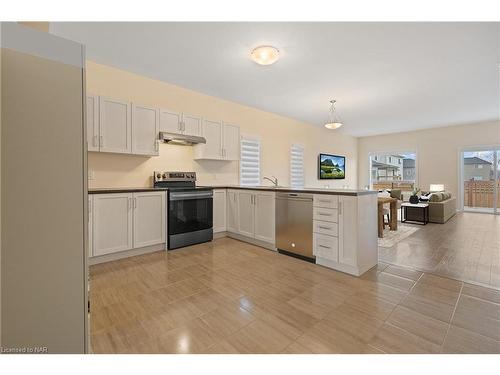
246,214
125,221
232,211
251,213
112,221
265,216
348,228
149,218
345,232
219,210
90,225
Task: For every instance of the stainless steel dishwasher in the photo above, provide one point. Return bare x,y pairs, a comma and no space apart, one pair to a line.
294,225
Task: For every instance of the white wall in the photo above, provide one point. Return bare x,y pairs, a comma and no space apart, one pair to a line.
437,151
277,134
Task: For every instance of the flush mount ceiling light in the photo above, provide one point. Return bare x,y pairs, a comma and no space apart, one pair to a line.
265,55
333,121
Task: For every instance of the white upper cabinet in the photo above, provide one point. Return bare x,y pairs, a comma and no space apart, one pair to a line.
92,123
191,125
223,141
212,131
170,121
145,127
149,218
115,126
231,142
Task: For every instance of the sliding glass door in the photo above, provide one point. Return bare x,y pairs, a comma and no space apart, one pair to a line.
481,180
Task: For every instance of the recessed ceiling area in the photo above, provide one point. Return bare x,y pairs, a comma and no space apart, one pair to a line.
386,77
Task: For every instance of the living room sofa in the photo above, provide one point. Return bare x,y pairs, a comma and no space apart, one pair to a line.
442,207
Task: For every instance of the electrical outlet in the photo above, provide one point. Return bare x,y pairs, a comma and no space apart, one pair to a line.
91,174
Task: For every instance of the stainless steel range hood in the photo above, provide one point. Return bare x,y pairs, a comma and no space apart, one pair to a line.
181,139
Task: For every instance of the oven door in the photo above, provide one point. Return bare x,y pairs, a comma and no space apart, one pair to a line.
190,211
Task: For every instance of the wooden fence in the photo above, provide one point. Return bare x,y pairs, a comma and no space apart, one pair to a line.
480,194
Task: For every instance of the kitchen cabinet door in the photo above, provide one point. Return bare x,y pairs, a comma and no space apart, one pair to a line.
219,213
92,119
112,223
212,131
145,125
115,126
149,218
246,213
191,125
170,121
265,216
232,211
231,142
348,227
90,228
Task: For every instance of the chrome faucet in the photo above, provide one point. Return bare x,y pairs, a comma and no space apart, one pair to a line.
275,181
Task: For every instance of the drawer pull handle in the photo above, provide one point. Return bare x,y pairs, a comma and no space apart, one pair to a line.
324,201
325,247
323,214
320,227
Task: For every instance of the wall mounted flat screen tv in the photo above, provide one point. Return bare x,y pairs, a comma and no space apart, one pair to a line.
331,167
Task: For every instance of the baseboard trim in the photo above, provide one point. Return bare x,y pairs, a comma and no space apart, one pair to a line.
126,254
253,241
353,271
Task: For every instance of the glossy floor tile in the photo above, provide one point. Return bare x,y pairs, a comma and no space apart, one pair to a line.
231,297
466,248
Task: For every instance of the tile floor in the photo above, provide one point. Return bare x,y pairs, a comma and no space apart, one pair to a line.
231,297
466,248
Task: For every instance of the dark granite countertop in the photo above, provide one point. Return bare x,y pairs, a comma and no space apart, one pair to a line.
351,192
282,189
123,190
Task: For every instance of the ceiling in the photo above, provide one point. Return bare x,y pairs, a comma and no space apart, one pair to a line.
386,77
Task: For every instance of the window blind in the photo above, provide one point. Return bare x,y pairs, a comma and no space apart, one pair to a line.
250,161
297,166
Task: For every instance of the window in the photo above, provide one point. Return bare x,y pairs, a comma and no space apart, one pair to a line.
297,166
250,161
393,170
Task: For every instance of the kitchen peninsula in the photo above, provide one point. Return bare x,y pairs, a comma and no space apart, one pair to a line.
339,225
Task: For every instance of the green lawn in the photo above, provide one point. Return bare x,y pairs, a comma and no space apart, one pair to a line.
331,172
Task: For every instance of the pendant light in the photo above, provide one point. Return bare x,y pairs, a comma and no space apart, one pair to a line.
333,121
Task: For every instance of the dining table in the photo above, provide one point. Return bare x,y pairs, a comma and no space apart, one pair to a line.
393,223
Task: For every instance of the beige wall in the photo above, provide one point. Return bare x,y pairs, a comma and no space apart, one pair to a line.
437,151
277,134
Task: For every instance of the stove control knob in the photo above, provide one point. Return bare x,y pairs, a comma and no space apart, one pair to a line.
164,176
158,176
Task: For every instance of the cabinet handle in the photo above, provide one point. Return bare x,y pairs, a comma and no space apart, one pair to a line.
157,146
94,141
340,208
135,202
323,214
324,200
101,141
324,247
183,126
320,227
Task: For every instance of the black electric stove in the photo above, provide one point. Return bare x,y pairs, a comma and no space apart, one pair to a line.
189,207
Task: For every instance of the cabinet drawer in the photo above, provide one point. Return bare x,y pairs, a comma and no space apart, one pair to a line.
325,214
325,227
326,247
326,201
